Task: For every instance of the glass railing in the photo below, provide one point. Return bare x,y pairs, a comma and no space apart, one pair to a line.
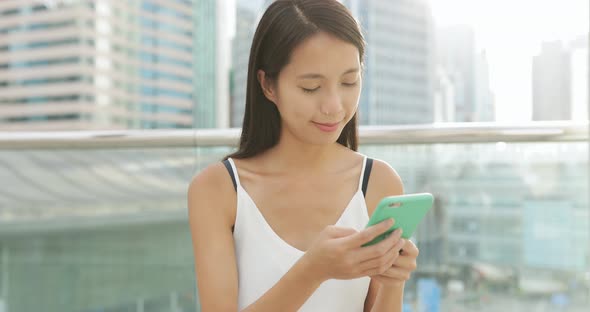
97,221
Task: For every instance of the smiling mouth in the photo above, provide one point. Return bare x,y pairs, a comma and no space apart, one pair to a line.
327,127
326,124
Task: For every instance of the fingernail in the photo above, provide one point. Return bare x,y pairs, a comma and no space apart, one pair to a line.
390,221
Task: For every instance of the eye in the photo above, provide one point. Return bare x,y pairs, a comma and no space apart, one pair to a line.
306,90
352,84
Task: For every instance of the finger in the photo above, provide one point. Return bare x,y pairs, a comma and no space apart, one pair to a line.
377,265
404,262
410,249
369,233
396,273
381,248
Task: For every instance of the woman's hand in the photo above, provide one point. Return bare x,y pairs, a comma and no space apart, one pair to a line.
402,268
337,253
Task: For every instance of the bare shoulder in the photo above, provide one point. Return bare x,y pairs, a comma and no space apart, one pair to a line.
211,191
211,176
383,181
385,178
212,205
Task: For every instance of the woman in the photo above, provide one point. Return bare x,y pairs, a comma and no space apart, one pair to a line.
279,224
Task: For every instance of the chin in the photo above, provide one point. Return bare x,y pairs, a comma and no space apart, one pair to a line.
325,139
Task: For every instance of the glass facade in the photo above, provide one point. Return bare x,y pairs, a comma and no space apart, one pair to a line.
205,59
128,64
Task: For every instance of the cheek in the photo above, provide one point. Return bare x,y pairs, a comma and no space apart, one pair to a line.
294,104
351,101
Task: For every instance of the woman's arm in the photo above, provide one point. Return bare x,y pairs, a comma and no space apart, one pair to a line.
385,298
210,200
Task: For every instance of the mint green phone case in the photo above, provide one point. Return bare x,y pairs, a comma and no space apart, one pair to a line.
407,211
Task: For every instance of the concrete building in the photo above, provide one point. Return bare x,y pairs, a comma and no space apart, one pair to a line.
74,65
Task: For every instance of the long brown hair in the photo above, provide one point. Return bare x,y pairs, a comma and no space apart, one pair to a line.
284,25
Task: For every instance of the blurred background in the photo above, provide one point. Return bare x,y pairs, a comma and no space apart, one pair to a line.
108,108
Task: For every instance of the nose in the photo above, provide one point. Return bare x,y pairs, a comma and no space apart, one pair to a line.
331,104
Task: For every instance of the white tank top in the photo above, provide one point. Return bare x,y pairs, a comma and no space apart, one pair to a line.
263,257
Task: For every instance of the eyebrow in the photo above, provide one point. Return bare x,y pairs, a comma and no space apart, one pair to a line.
316,76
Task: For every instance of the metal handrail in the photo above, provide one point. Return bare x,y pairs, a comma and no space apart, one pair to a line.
412,134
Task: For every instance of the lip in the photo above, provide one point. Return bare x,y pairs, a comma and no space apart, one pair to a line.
327,127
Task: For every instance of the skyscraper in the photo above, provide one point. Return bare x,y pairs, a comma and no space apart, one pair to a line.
455,53
466,70
579,80
69,65
399,63
552,83
445,90
212,63
485,109
248,12
246,17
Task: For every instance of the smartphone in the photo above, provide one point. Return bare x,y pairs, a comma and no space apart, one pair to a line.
407,211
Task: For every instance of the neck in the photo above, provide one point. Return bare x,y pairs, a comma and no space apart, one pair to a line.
291,154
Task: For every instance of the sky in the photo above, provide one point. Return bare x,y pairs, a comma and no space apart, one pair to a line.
511,32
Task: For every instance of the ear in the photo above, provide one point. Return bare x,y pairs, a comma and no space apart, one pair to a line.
267,86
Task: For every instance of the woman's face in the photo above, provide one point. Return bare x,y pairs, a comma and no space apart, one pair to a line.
317,93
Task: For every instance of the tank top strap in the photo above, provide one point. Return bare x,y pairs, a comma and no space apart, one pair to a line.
365,173
233,172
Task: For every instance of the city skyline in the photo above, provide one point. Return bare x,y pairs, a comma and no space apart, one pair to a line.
509,47
505,52
511,44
